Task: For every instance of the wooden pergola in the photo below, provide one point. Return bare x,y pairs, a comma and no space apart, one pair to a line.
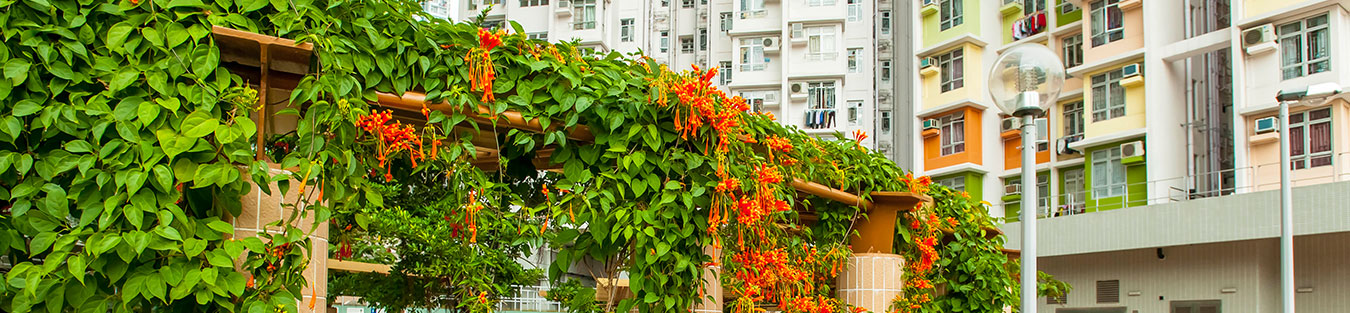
278,63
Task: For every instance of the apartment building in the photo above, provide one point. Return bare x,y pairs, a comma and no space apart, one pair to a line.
1156,165
815,64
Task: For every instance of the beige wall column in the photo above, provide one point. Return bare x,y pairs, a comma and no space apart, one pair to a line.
712,284
259,209
871,280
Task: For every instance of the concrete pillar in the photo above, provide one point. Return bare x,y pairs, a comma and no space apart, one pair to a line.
712,284
871,280
259,209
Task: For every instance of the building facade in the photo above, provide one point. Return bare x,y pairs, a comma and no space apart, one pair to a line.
815,64
1166,113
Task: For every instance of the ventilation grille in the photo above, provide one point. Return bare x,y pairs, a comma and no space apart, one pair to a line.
1064,299
1108,291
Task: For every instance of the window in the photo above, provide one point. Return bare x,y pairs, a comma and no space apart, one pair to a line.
885,122
752,8
758,98
1073,198
1066,6
665,3
953,131
853,54
726,20
952,67
626,30
1073,50
853,107
687,4
1108,96
686,44
854,10
1073,119
1107,23
820,101
1310,139
702,39
885,71
819,3
530,3
1043,191
537,36
752,55
1042,134
585,14
949,13
1108,174
665,41
884,22
1032,6
1305,46
957,183
820,43
724,72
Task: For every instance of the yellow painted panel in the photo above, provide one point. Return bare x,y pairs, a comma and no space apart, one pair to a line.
974,81
1134,112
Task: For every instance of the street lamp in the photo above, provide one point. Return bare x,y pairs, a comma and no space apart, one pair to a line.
1309,94
1024,81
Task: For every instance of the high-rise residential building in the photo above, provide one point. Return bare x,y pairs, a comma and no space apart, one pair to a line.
815,64
1156,165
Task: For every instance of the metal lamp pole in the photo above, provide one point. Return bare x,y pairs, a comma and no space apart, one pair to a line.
1028,113
1313,92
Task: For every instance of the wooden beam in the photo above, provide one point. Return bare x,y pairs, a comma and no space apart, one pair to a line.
358,267
831,193
415,101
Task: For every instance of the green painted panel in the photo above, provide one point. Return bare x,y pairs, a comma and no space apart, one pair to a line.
1136,190
1064,19
975,185
970,24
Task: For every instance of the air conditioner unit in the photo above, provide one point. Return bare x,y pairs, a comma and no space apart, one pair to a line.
564,8
1258,35
1132,70
883,94
931,124
771,44
929,2
702,61
1267,124
798,32
1062,145
702,15
927,62
1132,149
798,90
1009,123
770,98
1012,189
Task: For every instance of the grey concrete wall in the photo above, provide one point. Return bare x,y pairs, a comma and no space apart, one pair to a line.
1318,209
1202,272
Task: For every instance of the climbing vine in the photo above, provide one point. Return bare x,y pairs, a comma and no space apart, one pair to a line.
125,140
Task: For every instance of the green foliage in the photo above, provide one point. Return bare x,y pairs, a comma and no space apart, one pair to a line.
123,145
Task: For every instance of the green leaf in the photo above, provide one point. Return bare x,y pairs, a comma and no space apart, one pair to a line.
251,5
199,123
27,107
172,143
170,233
62,70
183,3
77,266
222,227
193,246
104,244
17,70
147,113
123,79
117,34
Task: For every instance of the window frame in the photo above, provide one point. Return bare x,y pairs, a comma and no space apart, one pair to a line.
1109,176
820,3
537,36
752,49
626,29
531,3
1072,50
854,63
1301,126
1073,118
757,99
821,43
885,121
884,70
1106,106
1029,6
724,72
1075,189
955,182
1103,13
1300,42
1066,7
702,39
884,22
687,4
950,14
854,11
821,95
952,133
951,65
687,45
664,41
752,9
580,8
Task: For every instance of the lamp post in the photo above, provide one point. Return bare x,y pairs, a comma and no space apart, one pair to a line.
1024,81
1311,93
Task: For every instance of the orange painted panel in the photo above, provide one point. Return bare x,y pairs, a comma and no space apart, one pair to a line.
932,153
1012,156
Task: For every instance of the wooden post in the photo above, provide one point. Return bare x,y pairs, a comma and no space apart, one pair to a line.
259,209
712,284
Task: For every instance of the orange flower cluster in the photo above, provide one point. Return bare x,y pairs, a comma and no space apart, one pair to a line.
752,210
699,97
918,286
819,304
916,185
769,175
481,69
779,144
770,268
858,137
391,138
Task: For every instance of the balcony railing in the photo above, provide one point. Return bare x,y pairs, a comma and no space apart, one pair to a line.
529,299
1191,187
